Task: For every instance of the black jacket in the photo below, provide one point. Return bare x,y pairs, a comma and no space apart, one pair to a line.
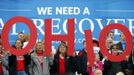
120,46
124,63
69,66
13,64
111,68
82,62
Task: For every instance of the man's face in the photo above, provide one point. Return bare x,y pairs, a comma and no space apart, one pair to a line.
111,35
18,44
21,37
123,38
109,42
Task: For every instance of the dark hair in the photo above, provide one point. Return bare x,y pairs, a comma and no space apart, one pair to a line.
95,41
84,41
58,52
20,41
20,33
111,47
110,32
64,42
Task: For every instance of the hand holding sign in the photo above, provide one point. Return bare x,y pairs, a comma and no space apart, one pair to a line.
69,38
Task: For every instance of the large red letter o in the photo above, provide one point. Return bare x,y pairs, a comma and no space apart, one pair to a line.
6,30
102,38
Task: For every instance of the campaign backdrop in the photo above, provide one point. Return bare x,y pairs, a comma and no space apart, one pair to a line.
88,14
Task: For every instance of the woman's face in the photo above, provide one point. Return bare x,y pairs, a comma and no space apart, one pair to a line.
62,49
18,44
39,46
114,50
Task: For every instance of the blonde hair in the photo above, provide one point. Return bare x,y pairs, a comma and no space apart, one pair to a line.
120,73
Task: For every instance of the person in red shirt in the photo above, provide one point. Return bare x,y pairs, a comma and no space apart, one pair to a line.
63,64
18,65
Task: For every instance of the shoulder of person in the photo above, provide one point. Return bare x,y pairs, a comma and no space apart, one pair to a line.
33,55
81,53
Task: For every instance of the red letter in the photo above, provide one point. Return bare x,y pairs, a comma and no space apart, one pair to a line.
49,37
6,30
102,38
89,47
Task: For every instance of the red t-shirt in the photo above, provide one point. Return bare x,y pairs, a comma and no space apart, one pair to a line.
20,63
40,55
61,66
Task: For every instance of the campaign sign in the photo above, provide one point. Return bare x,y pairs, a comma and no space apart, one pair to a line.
87,14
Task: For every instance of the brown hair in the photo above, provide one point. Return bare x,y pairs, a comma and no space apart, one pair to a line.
58,52
113,46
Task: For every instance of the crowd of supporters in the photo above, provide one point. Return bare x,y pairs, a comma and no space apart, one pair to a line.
59,63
